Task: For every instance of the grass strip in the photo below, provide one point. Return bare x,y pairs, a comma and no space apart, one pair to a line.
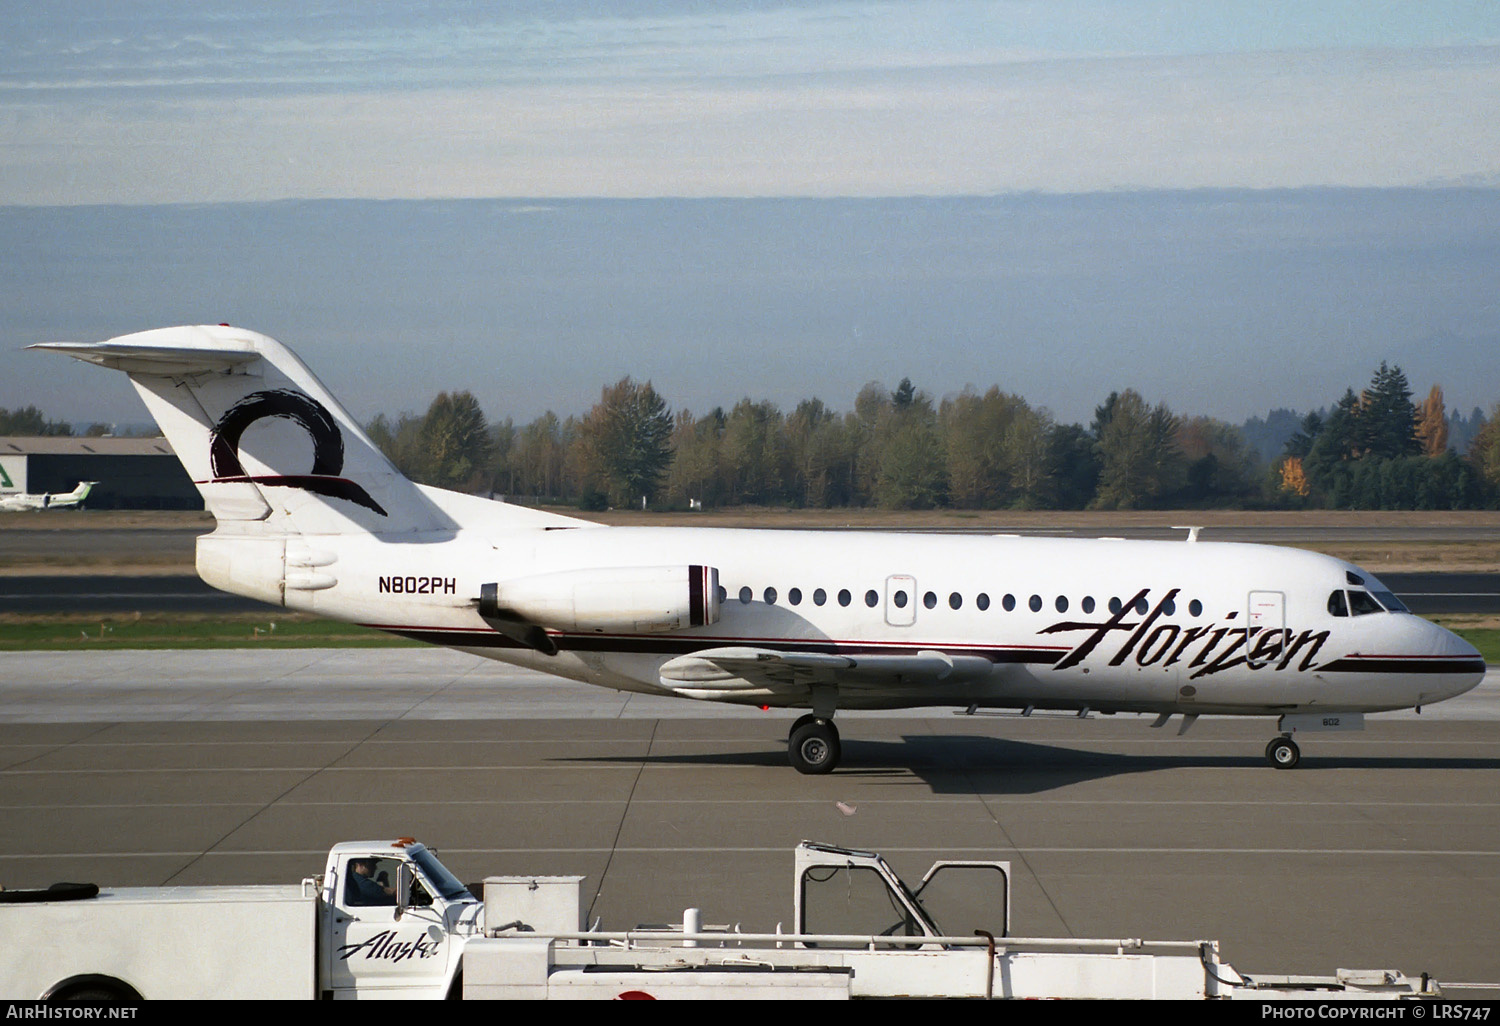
49,633
1486,639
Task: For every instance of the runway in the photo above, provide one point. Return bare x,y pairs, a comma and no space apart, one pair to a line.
1381,850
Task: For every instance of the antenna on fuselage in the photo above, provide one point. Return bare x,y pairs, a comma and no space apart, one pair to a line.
1192,530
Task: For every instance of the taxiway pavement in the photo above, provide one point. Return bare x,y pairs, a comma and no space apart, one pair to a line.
1381,850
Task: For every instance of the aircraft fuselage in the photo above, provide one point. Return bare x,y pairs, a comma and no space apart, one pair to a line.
1106,624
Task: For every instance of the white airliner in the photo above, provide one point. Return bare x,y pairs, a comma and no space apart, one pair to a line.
311,516
46,500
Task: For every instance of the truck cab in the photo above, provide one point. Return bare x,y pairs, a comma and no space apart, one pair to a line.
394,921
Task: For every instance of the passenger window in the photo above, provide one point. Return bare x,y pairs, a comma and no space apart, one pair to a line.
745,595
872,598
1114,604
1035,603
1195,608
1061,603
982,601
1169,607
770,595
1009,602
819,597
1360,603
794,596
1088,603
955,600
929,600
723,595
1336,604
900,599
844,597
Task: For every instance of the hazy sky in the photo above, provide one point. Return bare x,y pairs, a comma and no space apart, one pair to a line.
210,101
1224,205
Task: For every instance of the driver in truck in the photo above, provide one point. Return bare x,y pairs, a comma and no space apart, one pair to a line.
364,888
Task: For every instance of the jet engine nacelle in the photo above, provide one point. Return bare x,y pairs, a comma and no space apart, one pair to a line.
633,599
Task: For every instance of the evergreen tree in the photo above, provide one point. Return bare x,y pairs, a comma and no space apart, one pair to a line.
1387,418
1301,443
1139,461
456,442
1338,441
1073,463
625,441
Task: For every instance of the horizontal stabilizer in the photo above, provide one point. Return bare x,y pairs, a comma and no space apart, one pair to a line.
216,355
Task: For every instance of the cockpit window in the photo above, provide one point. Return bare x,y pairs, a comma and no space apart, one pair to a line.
1337,604
1390,602
1360,603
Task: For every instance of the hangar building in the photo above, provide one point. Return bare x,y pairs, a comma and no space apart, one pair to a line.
133,473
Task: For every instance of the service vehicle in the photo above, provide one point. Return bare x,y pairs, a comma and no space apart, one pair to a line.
386,919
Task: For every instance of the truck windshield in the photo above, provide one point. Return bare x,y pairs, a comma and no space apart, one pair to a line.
435,873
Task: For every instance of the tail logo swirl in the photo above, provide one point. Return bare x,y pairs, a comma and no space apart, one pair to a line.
314,418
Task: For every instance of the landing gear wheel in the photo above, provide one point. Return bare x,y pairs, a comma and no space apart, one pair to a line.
802,721
1283,753
814,747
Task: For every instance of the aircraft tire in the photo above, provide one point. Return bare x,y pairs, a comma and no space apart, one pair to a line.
814,747
799,723
1283,753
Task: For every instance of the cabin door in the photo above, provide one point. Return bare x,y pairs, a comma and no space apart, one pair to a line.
1265,615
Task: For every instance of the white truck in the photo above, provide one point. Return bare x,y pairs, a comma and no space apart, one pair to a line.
386,919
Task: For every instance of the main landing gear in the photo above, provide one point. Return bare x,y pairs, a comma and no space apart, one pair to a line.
813,744
1283,752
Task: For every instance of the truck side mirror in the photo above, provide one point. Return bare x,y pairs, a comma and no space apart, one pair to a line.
403,888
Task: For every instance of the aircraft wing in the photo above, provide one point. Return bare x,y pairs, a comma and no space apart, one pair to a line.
729,673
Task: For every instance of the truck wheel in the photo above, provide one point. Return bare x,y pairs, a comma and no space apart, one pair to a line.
1283,753
814,747
93,990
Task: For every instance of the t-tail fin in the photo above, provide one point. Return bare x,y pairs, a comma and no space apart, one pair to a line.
77,495
267,445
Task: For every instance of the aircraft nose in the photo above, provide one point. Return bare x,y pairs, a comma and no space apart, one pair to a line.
1467,665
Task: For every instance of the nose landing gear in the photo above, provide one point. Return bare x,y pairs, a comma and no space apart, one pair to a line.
1283,752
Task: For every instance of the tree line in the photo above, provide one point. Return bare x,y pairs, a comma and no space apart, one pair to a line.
31,422
902,449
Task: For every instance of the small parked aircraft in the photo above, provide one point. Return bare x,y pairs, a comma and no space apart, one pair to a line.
797,619
46,500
